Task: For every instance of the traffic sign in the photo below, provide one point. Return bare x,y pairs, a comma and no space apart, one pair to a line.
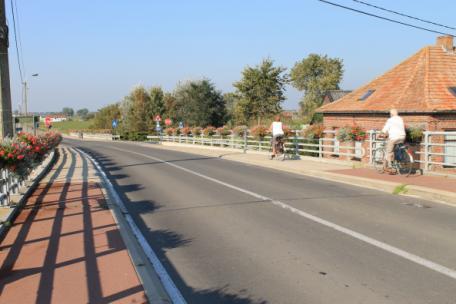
157,126
48,121
168,121
115,123
157,118
181,124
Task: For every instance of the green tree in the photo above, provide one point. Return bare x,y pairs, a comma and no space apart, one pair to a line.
261,91
169,101
82,113
69,112
155,106
135,110
198,103
231,100
315,75
103,118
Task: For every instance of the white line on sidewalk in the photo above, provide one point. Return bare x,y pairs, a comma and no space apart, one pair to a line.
399,252
168,283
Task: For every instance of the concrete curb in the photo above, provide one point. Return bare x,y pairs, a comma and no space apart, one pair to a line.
438,196
26,191
150,281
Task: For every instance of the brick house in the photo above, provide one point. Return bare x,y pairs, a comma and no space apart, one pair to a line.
422,88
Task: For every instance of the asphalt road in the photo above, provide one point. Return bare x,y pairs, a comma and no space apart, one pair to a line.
222,245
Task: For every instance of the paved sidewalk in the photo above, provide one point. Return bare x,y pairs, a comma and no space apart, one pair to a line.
65,246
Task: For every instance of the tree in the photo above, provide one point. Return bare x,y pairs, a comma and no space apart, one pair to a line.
103,118
155,106
82,113
69,112
169,101
315,75
261,90
198,103
231,101
135,106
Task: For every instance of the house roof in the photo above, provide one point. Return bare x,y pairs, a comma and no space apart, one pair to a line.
419,84
334,95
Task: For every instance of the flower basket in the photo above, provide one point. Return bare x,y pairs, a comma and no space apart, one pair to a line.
414,134
239,130
196,131
209,131
315,131
169,131
259,131
185,131
223,131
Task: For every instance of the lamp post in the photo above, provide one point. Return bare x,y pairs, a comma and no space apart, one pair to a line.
25,95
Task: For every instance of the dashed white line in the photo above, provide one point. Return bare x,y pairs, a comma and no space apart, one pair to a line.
394,250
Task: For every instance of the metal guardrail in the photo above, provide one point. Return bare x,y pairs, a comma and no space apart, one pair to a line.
294,145
9,184
427,148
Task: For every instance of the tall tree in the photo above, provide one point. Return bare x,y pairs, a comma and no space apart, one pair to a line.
231,100
198,103
68,111
315,75
155,106
169,101
136,105
261,90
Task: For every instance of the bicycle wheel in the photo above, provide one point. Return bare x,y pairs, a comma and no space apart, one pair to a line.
379,160
405,164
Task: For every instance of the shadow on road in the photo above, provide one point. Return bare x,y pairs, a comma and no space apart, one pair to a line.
163,240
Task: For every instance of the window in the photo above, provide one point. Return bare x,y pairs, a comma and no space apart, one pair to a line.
366,95
452,90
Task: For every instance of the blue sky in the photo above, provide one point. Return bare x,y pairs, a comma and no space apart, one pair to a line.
92,53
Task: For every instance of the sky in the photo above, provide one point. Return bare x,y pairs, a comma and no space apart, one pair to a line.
90,53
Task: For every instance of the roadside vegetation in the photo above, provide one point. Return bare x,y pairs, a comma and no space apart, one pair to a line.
256,98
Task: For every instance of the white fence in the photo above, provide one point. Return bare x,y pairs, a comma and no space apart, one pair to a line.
9,184
294,145
438,149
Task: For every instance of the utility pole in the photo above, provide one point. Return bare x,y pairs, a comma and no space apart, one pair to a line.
6,115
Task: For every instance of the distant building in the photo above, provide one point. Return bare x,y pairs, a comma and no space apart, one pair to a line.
54,117
333,95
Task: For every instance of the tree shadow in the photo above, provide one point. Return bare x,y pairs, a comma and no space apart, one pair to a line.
163,240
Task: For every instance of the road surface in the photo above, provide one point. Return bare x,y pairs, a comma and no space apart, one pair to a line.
221,231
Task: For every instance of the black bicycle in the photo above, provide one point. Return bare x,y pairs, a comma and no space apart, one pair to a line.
279,148
402,163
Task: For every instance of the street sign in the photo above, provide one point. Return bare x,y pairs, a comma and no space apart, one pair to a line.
115,123
157,126
48,121
157,118
181,124
168,121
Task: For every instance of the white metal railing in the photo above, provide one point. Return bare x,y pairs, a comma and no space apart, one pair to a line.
9,184
446,151
295,145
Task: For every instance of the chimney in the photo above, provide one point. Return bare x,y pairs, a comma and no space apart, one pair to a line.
446,42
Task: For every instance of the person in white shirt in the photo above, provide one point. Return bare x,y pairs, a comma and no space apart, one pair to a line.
277,133
395,129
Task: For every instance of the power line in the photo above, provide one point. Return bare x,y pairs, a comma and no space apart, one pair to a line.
384,18
18,19
15,40
404,15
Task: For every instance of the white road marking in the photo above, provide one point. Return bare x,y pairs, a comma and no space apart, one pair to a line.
399,252
168,283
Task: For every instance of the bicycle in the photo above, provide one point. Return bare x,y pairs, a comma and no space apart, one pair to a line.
279,148
402,162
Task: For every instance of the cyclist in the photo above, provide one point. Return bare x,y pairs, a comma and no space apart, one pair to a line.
394,128
277,134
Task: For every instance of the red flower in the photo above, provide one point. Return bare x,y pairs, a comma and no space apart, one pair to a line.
20,157
10,155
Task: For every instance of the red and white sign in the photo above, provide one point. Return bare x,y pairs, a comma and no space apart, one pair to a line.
48,121
157,118
168,121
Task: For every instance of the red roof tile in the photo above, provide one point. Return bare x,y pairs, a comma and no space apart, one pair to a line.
418,84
